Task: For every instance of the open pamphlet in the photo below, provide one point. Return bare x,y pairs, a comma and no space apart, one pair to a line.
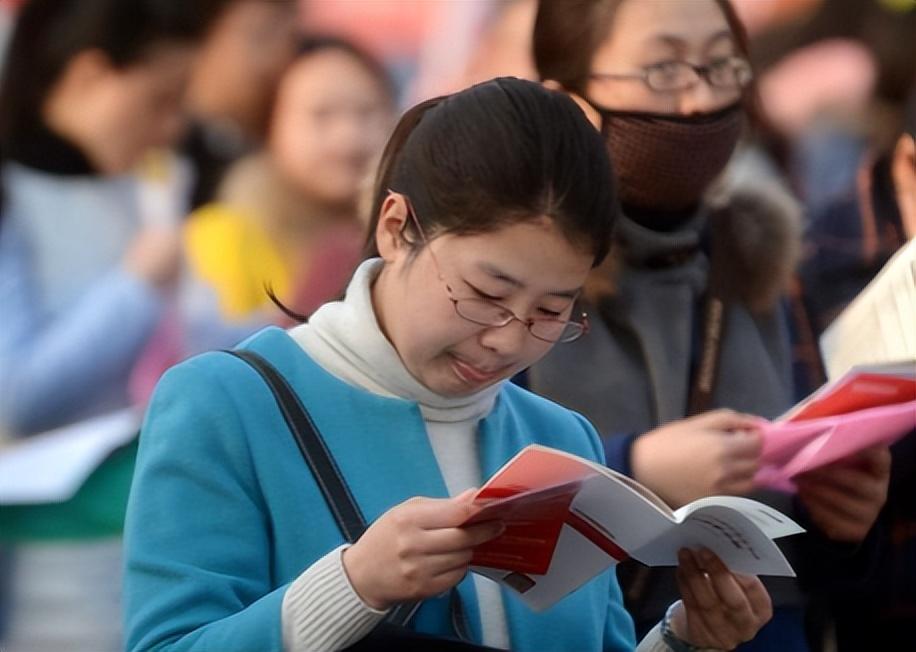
568,519
869,405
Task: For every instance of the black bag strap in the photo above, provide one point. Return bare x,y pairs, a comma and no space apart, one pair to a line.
314,451
330,480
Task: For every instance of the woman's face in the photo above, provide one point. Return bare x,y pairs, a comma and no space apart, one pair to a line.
650,32
124,112
329,124
529,268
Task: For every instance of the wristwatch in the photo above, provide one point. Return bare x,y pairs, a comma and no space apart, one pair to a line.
673,641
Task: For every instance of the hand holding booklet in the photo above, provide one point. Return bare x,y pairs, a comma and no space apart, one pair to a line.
870,405
568,519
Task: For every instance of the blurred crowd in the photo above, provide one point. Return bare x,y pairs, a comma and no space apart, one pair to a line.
178,175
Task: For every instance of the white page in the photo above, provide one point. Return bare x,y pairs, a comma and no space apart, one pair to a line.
51,467
773,523
736,539
622,514
879,324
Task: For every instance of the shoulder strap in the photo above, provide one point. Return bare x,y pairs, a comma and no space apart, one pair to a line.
712,331
315,452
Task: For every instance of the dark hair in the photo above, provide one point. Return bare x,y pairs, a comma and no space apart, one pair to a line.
567,34
499,153
314,43
49,33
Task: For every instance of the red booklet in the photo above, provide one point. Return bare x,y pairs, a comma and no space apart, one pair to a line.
568,519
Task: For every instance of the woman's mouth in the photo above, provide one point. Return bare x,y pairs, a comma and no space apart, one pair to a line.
473,375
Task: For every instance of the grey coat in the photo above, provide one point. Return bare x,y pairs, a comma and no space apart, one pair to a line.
632,372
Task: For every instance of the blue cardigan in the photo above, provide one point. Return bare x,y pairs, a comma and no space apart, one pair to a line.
223,513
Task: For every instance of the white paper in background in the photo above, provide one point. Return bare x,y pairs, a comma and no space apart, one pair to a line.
880,323
51,466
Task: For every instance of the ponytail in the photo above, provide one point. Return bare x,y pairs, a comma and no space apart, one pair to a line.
388,164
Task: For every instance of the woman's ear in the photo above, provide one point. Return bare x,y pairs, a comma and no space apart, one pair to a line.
593,116
389,232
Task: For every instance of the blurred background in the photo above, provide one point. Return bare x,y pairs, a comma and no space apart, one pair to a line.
250,157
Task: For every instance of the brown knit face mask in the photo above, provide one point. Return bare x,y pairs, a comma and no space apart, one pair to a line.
666,162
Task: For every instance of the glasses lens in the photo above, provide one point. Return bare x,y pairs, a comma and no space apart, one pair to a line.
481,312
730,73
557,331
671,76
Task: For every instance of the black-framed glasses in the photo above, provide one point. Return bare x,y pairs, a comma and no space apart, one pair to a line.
485,312
672,76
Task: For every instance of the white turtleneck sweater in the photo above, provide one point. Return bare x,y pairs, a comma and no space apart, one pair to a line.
321,610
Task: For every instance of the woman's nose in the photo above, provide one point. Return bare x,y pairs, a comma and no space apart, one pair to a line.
508,340
702,97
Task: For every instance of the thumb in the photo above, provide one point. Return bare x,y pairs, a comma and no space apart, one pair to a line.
466,495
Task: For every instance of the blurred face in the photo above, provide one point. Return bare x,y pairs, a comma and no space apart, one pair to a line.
242,60
529,268
903,167
126,111
648,33
329,124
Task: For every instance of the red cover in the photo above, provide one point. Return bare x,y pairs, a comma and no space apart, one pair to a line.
865,390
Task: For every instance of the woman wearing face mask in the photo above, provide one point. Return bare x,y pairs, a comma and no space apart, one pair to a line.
465,284
287,217
89,86
688,301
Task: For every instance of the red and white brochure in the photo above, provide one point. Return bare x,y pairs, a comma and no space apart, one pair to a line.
568,519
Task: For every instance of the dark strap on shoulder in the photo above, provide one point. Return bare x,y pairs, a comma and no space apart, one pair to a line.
712,334
314,451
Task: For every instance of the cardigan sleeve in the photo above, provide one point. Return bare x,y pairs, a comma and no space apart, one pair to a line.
197,536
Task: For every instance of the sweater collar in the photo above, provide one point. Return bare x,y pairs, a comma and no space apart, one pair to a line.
344,337
643,246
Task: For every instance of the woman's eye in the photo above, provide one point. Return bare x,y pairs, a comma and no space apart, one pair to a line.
549,313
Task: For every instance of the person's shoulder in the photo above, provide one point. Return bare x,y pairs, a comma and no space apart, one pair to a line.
222,368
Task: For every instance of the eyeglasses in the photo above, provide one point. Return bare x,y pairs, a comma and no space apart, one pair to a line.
489,313
672,76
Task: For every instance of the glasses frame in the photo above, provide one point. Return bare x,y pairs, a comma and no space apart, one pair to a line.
700,73
583,324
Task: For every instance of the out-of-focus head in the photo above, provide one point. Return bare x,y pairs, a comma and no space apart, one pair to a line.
333,110
236,75
107,75
590,47
663,80
903,167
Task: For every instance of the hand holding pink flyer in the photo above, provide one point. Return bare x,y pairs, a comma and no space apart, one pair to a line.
864,408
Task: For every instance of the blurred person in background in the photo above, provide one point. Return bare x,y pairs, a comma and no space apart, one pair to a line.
848,242
690,301
233,83
287,217
851,238
89,86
